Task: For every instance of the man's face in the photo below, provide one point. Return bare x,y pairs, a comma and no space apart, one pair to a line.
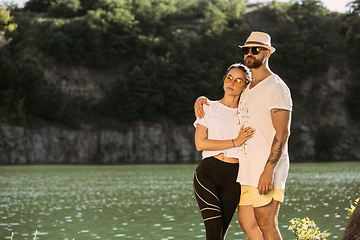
255,61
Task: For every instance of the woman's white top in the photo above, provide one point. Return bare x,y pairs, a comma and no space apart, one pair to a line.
223,124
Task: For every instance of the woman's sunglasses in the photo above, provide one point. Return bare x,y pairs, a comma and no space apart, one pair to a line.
237,82
254,50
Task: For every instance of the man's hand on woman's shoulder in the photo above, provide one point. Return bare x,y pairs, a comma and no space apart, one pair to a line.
200,101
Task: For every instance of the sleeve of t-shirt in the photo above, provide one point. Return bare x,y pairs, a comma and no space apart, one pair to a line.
279,96
205,120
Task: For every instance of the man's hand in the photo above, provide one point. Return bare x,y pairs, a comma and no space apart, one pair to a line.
265,182
199,112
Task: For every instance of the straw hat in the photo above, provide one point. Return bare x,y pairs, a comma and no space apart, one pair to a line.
259,39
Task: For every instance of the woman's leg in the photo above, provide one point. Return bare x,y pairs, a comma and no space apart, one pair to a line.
229,194
206,194
217,194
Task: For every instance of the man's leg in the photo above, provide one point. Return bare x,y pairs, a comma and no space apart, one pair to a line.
247,222
267,219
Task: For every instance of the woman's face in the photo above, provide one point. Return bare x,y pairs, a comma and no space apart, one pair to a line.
231,88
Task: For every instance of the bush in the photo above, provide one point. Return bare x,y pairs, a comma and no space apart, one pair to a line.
38,5
64,8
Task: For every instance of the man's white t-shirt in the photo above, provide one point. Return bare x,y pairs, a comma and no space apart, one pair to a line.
222,123
255,106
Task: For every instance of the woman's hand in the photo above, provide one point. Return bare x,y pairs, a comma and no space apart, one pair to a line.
244,134
199,112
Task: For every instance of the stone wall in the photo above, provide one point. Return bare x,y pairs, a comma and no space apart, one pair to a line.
137,143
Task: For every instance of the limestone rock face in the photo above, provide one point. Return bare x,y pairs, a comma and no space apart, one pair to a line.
138,143
319,102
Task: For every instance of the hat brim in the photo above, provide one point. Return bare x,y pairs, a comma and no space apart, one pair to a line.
272,49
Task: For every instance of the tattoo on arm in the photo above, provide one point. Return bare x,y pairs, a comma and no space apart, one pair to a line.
275,155
275,141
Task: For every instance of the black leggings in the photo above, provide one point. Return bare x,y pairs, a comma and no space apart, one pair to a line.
217,194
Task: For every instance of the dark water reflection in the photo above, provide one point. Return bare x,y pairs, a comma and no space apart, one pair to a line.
152,201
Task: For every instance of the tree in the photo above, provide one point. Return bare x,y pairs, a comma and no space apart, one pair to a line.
38,5
5,21
65,8
354,7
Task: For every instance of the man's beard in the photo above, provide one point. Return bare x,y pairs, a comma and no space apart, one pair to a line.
254,63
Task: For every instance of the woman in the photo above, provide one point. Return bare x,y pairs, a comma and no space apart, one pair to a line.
215,186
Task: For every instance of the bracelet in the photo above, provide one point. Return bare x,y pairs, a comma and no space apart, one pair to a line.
233,142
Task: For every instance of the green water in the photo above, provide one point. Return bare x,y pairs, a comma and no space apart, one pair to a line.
152,201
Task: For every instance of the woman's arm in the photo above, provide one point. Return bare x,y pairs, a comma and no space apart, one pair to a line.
203,143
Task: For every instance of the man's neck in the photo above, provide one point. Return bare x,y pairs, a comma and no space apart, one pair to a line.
259,74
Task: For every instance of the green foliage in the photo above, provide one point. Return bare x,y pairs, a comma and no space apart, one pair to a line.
53,107
352,207
10,6
308,42
4,18
38,5
137,33
306,229
354,7
12,107
6,21
24,99
327,139
64,8
18,87
100,38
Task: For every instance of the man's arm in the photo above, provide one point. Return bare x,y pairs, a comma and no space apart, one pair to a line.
281,121
199,112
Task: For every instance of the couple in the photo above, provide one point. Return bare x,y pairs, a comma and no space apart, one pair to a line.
233,154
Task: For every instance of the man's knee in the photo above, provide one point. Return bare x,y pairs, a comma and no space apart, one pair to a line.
266,225
247,221
246,224
267,215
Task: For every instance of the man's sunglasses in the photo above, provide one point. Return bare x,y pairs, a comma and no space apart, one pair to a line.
254,50
237,82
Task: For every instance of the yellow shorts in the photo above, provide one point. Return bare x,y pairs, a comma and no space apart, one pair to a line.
250,196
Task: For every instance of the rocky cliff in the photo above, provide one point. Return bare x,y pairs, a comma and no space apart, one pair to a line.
136,143
321,104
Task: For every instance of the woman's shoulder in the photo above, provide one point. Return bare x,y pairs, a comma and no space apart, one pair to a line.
213,105
217,108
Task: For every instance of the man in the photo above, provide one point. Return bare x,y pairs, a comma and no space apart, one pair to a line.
265,105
